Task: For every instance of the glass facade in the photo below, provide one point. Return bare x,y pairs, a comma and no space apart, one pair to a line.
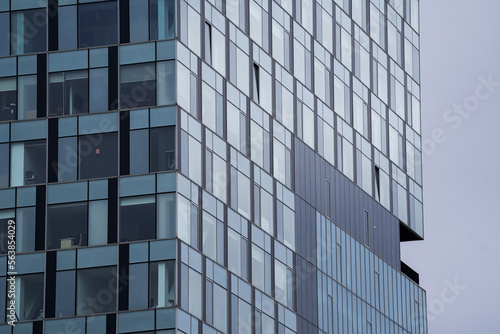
186,166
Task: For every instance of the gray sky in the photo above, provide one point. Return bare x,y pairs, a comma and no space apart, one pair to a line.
460,44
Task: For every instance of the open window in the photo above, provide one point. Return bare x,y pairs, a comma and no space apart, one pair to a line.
28,164
67,225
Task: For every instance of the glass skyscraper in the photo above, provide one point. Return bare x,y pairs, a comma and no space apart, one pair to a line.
219,166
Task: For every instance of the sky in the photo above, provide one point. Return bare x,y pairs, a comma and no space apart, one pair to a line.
459,260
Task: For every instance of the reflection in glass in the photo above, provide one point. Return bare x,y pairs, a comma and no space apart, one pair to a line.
28,31
162,25
138,85
29,297
162,284
92,283
27,91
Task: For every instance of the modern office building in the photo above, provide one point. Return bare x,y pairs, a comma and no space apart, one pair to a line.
219,166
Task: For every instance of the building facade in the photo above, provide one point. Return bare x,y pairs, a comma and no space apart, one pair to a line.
219,166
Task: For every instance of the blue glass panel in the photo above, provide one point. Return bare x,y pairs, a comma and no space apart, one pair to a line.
26,196
138,53
98,123
162,116
139,119
67,2
139,30
67,28
98,189
136,321
68,192
166,182
8,67
97,257
138,252
137,185
4,5
4,32
165,50
66,259
162,250
4,132
3,266
97,325
77,325
27,65
29,130
66,61
165,318
99,57
7,198
27,4
24,328
30,263
67,126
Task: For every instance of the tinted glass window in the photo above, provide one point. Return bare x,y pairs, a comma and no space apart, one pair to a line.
137,218
67,226
98,24
98,155
8,106
138,86
4,165
162,156
28,31
68,93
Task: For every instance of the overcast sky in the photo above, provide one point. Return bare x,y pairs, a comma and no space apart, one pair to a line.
459,261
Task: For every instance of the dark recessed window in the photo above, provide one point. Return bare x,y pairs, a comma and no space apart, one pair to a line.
91,283
138,86
98,24
162,149
98,155
29,297
28,163
28,31
68,93
67,226
8,105
137,218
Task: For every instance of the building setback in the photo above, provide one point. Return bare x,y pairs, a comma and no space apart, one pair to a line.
219,166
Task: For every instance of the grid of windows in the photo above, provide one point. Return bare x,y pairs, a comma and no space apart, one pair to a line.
162,157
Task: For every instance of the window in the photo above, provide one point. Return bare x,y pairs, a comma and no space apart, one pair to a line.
162,149
4,230
96,283
28,164
98,24
28,31
4,165
68,93
162,284
137,218
98,155
138,86
25,230
166,82
67,226
65,293
29,297
8,106
162,25
27,94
